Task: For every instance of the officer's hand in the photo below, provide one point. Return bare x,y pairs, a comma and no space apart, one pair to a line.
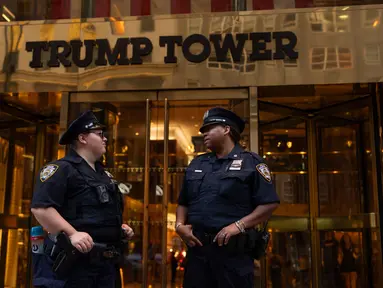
128,231
225,234
186,233
82,241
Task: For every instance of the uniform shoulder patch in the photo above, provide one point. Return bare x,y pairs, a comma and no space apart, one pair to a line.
109,174
264,171
48,171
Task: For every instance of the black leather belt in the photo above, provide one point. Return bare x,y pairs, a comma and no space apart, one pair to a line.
104,251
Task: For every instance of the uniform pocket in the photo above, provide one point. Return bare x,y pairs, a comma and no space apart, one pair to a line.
194,181
234,186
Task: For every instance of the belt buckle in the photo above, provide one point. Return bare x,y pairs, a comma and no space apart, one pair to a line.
109,254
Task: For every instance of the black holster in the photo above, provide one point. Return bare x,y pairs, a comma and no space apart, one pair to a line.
66,258
257,242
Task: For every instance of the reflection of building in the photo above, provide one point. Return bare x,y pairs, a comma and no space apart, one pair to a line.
314,119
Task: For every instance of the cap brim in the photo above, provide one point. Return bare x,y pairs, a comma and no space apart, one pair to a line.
67,138
210,123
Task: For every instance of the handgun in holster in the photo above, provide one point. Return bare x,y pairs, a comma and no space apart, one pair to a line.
67,256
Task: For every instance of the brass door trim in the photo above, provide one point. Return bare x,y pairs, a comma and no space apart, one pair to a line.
130,96
165,197
14,222
146,198
254,124
358,221
288,224
204,94
313,198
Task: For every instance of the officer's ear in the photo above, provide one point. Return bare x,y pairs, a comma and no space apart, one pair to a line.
226,130
82,138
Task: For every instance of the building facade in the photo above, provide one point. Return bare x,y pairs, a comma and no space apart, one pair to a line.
306,76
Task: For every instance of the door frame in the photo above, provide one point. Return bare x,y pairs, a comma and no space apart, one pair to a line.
316,224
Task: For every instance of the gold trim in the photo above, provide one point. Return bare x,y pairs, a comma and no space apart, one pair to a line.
360,221
254,124
164,235
146,198
313,193
204,94
288,224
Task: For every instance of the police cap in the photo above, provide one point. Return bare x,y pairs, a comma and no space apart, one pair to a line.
218,115
84,123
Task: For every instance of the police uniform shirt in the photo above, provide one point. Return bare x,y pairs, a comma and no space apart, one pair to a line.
87,199
219,192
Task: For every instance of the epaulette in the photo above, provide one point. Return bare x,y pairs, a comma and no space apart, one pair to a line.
255,156
205,155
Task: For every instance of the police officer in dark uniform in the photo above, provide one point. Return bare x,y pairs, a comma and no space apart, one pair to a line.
76,196
225,193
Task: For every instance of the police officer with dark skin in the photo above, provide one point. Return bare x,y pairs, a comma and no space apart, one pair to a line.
75,195
225,193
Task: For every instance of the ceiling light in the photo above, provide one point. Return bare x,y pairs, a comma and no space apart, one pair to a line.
137,133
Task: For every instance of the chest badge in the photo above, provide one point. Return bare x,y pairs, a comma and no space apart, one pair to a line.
48,171
264,171
236,165
124,188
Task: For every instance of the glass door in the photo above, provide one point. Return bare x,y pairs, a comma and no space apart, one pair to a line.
127,117
347,200
28,129
284,146
321,152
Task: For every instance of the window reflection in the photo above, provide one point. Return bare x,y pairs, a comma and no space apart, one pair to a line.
371,54
288,261
343,260
328,58
331,21
371,18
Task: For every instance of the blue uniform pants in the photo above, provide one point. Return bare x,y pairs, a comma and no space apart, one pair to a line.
83,274
211,266
102,275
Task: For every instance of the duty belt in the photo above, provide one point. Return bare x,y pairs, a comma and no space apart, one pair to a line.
237,242
104,251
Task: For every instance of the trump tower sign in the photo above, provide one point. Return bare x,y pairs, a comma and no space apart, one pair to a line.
69,53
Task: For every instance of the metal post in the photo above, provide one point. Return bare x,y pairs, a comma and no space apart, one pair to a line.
165,197
146,198
7,200
41,132
314,207
253,119
377,173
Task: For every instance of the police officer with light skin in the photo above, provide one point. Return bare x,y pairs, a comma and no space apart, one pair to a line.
75,195
225,193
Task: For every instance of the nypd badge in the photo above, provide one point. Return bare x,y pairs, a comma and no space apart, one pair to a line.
109,174
264,171
48,171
